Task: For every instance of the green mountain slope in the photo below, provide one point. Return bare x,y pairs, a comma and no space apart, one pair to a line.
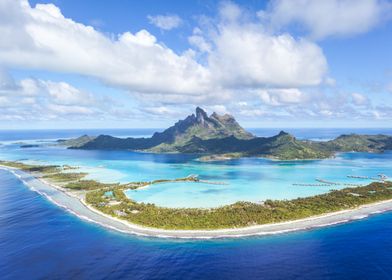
361,143
217,136
196,125
75,142
282,146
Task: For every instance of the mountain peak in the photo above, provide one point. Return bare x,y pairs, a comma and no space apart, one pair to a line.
283,133
200,111
201,115
202,126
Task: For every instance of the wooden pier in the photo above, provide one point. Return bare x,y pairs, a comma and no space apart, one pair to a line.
195,178
311,185
325,183
212,182
359,177
380,177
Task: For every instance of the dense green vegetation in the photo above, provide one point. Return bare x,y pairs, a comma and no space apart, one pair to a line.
49,172
75,181
198,125
94,185
45,169
361,143
75,142
217,136
240,214
65,177
89,185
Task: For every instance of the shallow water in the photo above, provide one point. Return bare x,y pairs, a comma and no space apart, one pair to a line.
41,241
248,179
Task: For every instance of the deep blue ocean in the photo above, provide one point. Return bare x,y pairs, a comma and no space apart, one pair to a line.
39,240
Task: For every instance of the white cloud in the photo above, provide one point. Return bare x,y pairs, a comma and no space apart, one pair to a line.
252,113
323,18
33,99
242,104
383,112
6,81
302,104
28,101
161,110
199,41
42,38
246,55
359,99
220,109
376,114
246,69
278,97
141,38
330,82
29,87
240,54
165,22
70,110
64,94
229,11
4,101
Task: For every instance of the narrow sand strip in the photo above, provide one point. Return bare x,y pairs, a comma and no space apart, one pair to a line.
75,205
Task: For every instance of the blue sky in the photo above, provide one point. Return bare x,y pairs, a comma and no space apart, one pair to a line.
297,63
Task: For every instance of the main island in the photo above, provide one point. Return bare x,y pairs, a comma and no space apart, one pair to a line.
211,138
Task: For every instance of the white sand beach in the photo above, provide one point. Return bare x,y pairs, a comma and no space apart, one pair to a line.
78,207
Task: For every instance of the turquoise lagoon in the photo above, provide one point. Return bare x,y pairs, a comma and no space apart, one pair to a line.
38,240
248,179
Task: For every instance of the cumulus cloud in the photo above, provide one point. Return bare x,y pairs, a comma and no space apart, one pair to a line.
165,22
35,99
241,54
236,64
64,94
42,38
290,104
325,18
245,55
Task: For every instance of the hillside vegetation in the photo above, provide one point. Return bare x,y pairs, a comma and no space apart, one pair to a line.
220,136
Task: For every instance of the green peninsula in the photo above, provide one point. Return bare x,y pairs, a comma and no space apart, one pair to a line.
111,200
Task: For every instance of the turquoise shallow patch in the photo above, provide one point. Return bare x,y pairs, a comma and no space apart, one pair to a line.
108,194
249,179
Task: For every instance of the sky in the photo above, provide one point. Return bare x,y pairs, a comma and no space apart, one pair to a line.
146,64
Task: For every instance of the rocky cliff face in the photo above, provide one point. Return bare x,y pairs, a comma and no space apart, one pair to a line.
198,125
202,126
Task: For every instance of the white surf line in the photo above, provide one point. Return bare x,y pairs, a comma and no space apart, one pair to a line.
107,221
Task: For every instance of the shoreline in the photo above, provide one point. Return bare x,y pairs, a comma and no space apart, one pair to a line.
77,206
